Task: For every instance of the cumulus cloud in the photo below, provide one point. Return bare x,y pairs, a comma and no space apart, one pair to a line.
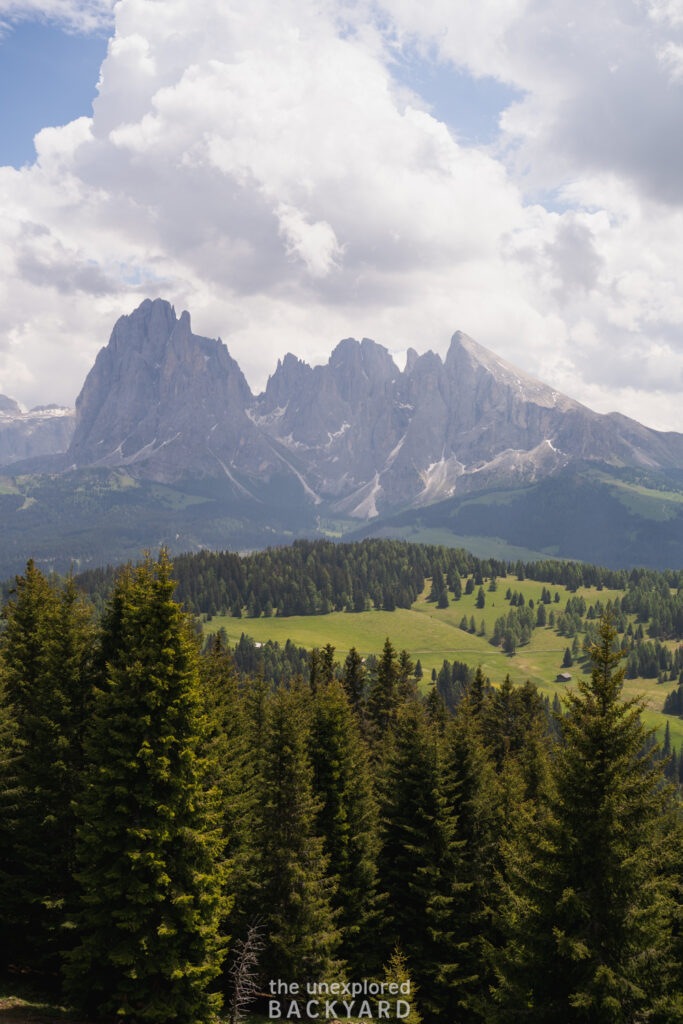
261,166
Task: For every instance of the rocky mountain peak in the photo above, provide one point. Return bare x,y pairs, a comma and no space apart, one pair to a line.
467,359
427,364
291,375
365,357
154,391
411,359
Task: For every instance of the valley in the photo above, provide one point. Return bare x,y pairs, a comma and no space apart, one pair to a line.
433,635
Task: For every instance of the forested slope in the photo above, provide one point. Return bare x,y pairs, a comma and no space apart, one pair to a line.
156,801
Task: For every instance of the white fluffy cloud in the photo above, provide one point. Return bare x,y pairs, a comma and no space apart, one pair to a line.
259,165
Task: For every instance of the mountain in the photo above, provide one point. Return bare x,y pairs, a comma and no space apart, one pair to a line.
356,434
372,439
162,400
44,430
353,440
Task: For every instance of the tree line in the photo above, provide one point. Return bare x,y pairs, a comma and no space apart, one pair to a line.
316,577
173,830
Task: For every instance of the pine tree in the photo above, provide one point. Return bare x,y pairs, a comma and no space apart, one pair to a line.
383,698
314,669
406,684
47,676
326,674
295,890
353,680
438,590
476,692
419,865
346,821
472,793
227,743
589,905
437,712
396,973
150,862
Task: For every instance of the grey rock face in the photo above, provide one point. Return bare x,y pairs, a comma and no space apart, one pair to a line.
165,403
356,435
373,439
45,430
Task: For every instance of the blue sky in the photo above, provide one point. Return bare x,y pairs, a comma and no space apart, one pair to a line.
470,105
298,171
47,77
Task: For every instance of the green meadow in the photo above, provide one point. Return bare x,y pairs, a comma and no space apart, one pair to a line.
433,634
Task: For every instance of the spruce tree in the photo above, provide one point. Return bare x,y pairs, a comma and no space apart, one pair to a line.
438,590
227,743
346,821
383,698
295,889
406,684
396,973
149,852
473,798
589,899
353,681
419,865
326,665
45,666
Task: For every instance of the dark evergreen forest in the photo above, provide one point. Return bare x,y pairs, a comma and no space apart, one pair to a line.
179,825
316,577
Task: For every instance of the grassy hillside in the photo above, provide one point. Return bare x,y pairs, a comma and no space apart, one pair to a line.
605,516
432,635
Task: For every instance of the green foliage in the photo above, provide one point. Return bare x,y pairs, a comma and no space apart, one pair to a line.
234,767
384,696
295,890
472,793
149,853
346,821
46,672
396,973
523,879
419,864
589,887
354,682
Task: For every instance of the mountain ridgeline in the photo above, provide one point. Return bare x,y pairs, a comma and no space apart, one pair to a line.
333,447
357,433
